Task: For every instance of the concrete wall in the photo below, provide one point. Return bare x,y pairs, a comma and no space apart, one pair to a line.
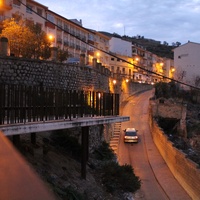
184,170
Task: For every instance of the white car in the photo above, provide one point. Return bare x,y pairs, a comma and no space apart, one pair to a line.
130,135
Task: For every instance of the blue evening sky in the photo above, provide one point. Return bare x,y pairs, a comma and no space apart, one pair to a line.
161,20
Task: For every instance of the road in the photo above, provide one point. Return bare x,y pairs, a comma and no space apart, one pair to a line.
157,181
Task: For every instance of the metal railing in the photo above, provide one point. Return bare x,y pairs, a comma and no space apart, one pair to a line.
24,104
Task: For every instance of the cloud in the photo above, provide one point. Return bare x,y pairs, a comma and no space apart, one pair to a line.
168,20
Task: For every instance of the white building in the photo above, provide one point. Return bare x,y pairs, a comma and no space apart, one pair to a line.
187,63
121,63
120,46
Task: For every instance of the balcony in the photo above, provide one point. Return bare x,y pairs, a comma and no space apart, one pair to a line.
71,45
91,53
50,25
59,40
78,47
66,43
59,27
83,38
66,29
90,42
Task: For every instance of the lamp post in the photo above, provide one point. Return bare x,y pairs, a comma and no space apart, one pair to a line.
53,49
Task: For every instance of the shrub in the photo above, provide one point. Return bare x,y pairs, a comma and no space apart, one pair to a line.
104,152
116,177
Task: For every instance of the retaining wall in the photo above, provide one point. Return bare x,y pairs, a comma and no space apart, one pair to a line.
184,170
52,74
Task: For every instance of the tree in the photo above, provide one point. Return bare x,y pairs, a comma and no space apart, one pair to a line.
27,41
19,36
165,43
62,55
41,45
178,44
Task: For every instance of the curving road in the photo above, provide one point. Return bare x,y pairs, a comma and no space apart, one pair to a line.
157,181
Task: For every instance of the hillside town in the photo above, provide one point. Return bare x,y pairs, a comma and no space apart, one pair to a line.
96,78
125,58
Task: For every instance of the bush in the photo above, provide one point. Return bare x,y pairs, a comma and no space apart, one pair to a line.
104,152
116,178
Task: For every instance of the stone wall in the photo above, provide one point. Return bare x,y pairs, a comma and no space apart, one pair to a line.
184,170
52,74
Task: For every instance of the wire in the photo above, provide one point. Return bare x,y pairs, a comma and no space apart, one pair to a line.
108,53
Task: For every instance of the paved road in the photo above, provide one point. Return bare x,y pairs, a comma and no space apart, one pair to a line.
157,181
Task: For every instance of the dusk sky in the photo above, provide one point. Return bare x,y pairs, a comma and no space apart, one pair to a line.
161,20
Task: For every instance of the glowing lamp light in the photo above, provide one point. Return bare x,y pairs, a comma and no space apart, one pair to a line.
114,82
50,37
173,69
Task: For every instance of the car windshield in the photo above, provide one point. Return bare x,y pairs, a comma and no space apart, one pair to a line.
131,133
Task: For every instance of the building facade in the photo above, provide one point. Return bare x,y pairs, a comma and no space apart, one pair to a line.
121,57
187,63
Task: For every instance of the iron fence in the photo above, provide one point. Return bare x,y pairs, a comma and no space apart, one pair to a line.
23,104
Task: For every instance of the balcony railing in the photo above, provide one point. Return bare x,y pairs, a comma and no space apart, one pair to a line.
23,104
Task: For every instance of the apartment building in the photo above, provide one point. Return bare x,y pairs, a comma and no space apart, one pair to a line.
15,7
187,64
67,34
99,49
121,61
146,62
64,33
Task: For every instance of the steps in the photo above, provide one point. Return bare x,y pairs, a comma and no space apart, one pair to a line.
114,141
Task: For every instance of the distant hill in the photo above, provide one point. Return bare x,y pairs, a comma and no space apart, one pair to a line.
162,50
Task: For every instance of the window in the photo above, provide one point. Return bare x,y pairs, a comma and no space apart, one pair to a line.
59,23
50,18
66,27
112,59
29,9
16,2
38,25
39,11
184,74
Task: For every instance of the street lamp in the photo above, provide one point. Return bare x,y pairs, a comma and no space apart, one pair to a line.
51,38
